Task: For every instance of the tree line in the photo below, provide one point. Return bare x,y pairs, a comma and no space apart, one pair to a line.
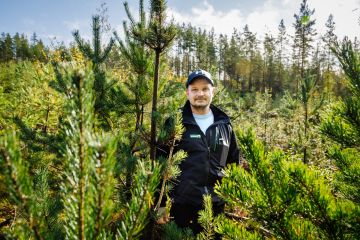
275,62
19,48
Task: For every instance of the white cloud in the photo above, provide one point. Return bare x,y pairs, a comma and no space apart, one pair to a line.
345,17
207,17
266,17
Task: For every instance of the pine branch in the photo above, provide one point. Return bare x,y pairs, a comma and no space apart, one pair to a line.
139,205
318,195
81,154
100,202
18,179
165,176
206,219
128,13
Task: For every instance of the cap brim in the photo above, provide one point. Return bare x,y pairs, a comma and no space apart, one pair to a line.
197,77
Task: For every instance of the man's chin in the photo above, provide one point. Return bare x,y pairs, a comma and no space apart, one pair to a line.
200,106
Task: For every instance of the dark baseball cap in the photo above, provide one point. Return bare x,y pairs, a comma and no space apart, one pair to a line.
199,74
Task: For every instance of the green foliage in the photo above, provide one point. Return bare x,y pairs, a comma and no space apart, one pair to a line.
286,199
304,36
171,134
230,229
342,127
36,209
206,220
33,110
173,232
157,35
135,92
146,180
308,92
87,180
337,127
97,56
350,62
19,48
62,177
20,190
347,179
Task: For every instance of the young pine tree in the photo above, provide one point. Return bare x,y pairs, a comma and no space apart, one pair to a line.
87,184
279,198
97,56
311,103
343,128
157,35
135,92
88,181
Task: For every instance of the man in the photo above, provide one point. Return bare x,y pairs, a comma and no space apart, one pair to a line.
210,144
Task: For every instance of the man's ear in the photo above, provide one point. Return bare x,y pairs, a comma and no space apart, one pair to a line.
187,92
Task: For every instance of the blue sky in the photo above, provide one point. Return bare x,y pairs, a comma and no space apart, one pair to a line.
55,20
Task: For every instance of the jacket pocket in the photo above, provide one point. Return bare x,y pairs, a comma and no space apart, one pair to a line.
220,142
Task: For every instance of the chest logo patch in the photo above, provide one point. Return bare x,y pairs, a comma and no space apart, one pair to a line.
195,136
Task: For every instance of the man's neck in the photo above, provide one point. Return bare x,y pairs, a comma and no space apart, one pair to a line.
200,111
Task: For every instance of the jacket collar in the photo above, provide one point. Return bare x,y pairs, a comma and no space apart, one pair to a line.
219,116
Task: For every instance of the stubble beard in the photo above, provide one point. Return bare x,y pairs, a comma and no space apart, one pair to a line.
200,106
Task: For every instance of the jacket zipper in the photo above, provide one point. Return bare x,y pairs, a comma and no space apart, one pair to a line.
208,149
207,176
208,161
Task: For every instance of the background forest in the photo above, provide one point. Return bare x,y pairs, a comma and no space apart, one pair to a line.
79,127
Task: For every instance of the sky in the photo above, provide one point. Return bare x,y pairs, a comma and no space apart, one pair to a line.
54,20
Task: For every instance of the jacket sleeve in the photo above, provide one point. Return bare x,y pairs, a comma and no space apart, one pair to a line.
234,152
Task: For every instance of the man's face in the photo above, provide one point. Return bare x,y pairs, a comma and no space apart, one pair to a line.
200,93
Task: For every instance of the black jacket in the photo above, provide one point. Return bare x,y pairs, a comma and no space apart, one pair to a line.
207,155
